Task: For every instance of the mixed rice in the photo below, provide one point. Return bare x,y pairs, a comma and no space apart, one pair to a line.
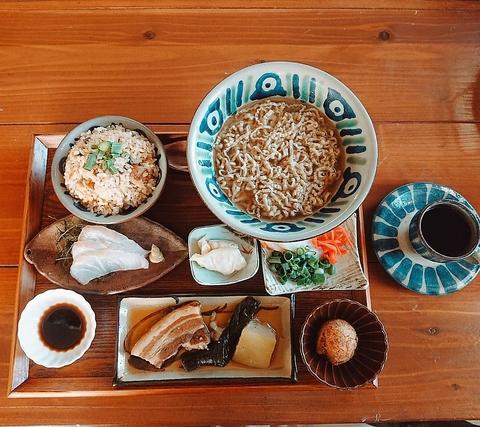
110,169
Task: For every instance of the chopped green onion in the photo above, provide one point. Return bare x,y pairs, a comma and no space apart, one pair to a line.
90,162
116,148
301,266
330,269
110,166
104,146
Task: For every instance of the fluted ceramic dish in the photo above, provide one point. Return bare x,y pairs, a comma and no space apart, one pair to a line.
29,328
73,205
371,352
309,85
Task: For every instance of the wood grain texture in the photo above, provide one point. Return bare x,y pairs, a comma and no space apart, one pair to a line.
431,369
160,28
239,4
442,151
409,61
67,66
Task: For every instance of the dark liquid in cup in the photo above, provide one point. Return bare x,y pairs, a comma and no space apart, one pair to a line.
447,230
62,327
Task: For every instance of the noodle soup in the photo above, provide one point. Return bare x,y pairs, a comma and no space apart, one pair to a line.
279,159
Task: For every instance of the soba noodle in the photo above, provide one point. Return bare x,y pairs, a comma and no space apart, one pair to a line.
278,159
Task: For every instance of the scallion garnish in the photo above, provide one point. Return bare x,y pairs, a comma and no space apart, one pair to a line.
106,151
104,146
301,266
90,162
110,166
116,148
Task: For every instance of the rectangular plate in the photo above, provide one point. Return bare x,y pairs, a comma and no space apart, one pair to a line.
180,209
348,275
133,309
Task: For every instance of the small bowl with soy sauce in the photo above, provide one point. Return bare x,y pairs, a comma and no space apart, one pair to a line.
56,328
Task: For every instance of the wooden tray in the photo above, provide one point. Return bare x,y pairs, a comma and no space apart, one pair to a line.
180,209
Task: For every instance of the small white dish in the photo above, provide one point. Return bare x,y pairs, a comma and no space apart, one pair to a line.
348,276
248,247
29,328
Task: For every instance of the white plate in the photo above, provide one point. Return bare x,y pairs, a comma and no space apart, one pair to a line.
133,309
29,331
348,276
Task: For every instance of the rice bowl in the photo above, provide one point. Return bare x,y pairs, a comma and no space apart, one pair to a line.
128,182
109,169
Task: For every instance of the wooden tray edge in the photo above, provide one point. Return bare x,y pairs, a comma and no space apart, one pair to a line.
26,276
19,363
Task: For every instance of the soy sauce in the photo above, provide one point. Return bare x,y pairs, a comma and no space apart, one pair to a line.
447,230
62,327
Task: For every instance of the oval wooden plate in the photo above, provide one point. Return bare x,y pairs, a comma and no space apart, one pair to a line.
41,251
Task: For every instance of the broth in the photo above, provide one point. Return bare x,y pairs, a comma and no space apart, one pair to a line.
279,159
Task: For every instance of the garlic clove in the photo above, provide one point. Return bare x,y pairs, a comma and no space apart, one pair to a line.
155,255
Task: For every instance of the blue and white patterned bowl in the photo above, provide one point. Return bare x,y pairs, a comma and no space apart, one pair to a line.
310,85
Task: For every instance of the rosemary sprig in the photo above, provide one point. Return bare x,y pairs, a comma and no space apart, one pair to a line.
67,235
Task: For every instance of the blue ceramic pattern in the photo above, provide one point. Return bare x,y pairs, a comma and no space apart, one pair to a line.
395,251
272,84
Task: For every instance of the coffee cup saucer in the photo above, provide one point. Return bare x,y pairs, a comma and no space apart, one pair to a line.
394,250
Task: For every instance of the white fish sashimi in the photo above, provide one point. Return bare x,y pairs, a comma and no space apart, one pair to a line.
206,246
104,234
223,260
93,264
100,251
82,246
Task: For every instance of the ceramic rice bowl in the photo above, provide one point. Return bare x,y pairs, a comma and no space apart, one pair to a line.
304,83
75,206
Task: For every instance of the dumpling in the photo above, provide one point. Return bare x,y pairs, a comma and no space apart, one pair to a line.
206,246
224,260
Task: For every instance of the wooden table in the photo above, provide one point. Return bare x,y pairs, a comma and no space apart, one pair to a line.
414,64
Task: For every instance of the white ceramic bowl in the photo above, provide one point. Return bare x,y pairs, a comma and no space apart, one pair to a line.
29,328
73,205
310,85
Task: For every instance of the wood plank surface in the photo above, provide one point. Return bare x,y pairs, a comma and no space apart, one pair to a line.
239,4
442,151
414,64
163,62
431,369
